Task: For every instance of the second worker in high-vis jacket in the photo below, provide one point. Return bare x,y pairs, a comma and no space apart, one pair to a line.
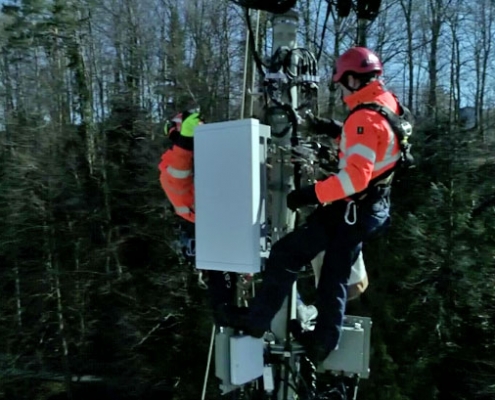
177,181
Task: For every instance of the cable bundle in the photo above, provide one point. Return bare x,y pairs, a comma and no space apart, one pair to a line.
273,6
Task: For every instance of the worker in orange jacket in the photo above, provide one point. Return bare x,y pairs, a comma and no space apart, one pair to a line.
353,205
176,166
177,181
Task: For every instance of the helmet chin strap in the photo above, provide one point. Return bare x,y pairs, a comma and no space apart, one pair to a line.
348,87
344,82
352,90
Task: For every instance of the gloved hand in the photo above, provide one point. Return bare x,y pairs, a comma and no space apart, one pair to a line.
325,126
302,197
170,130
190,124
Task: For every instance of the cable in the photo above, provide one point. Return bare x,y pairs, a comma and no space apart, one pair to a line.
287,68
273,6
257,59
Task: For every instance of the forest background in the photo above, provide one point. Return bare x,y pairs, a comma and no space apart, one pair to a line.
90,284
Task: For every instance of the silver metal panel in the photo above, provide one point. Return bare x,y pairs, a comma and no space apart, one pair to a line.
222,354
353,353
229,202
246,359
222,359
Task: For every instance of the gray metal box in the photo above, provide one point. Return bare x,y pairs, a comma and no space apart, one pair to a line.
246,359
353,353
229,163
222,354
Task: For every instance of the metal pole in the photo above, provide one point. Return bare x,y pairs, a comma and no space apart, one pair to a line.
208,363
361,32
246,72
284,28
253,66
282,173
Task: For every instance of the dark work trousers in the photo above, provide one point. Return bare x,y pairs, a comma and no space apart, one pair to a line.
221,285
325,229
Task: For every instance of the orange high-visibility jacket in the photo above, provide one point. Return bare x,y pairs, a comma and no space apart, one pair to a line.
176,178
368,146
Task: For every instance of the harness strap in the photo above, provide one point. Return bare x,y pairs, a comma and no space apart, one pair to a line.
383,181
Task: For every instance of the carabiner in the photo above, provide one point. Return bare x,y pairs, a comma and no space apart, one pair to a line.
350,204
191,248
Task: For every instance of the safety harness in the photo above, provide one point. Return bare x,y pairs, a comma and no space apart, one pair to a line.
402,127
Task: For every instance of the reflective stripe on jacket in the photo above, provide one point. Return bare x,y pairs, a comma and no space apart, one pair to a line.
176,178
368,147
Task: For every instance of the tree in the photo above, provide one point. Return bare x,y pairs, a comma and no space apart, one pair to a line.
482,19
91,283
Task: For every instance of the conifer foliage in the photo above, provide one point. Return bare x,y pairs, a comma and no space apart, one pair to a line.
91,287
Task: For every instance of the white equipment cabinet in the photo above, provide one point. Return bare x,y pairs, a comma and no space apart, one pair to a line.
230,184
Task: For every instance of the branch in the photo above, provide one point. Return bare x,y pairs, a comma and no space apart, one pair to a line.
483,206
157,326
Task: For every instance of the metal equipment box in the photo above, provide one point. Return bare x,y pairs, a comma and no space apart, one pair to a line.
353,353
230,197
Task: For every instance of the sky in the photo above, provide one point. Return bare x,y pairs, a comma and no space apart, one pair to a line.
395,69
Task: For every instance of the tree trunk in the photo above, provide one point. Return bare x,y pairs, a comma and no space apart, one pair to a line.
53,272
407,9
486,25
456,66
8,100
336,52
85,105
18,296
437,16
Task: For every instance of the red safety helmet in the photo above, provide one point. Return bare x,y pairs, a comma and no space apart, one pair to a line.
172,127
359,60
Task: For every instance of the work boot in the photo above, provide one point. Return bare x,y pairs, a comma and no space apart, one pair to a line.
315,351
